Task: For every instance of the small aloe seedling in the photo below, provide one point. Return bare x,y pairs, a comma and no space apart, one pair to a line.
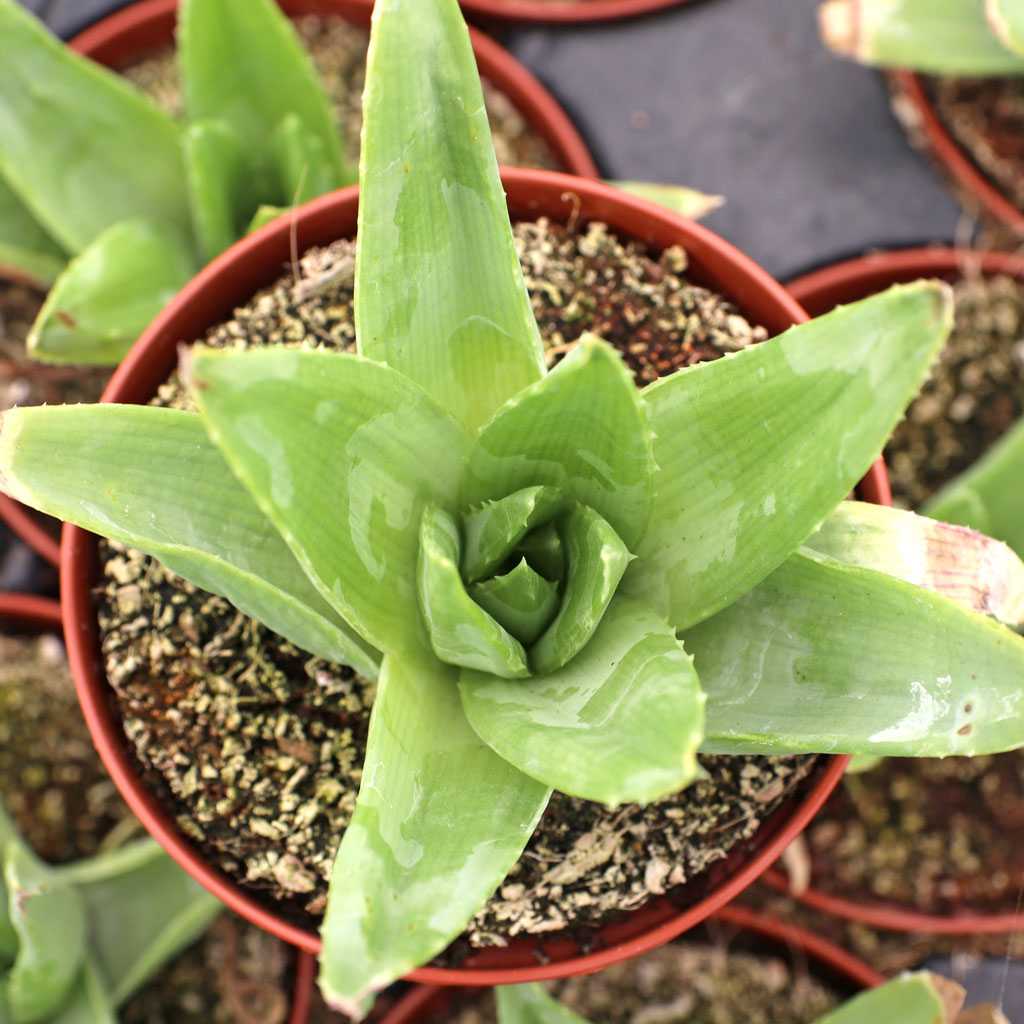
559,580
76,941
917,998
945,37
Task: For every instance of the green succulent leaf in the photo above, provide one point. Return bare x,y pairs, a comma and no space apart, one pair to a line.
211,532
687,202
990,495
24,245
439,821
342,455
952,37
595,560
521,600
828,657
583,430
530,1004
775,437
109,293
268,77
220,184
8,936
979,572
619,723
1006,18
51,926
439,291
60,111
492,531
88,1003
263,216
142,911
461,632
859,763
919,998
304,167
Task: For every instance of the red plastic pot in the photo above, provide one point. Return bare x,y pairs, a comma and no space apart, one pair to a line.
818,292
565,12
29,613
427,1004
952,157
228,282
148,25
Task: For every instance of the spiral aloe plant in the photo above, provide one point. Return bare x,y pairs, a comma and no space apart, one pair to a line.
77,940
558,579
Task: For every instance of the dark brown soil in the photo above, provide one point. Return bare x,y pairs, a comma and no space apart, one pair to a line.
25,382
235,974
338,50
262,746
52,780
974,394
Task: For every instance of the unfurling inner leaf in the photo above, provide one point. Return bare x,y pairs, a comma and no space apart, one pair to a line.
537,573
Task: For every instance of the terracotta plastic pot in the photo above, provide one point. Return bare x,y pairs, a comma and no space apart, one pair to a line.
228,282
30,613
951,155
818,292
148,25
565,12
428,1004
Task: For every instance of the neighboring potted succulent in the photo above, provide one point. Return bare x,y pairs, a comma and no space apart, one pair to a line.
690,982
969,123
378,497
916,845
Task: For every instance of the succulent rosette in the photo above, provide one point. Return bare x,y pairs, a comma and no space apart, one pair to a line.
558,579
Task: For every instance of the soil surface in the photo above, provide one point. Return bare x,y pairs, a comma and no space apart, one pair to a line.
338,50
974,394
24,381
683,983
261,746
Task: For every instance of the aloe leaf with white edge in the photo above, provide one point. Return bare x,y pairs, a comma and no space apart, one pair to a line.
210,532
448,307
81,148
990,495
108,294
522,546
953,37
1006,17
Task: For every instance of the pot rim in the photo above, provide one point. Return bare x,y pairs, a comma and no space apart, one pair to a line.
952,156
211,297
145,25
833,958
536,11
818,292
30,611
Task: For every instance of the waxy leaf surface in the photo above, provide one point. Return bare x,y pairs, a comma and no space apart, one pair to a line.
828,657
210,531
531,1004
583,430
439,291
304,168
461,632
439,821
979,572
619,723
24,245
990,495
142,910
50,922
220,185
341,454
88,1003
267,76
60,111
1006,18
919,998
755,449
109,293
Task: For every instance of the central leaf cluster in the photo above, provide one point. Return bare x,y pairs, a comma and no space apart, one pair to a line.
519,584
